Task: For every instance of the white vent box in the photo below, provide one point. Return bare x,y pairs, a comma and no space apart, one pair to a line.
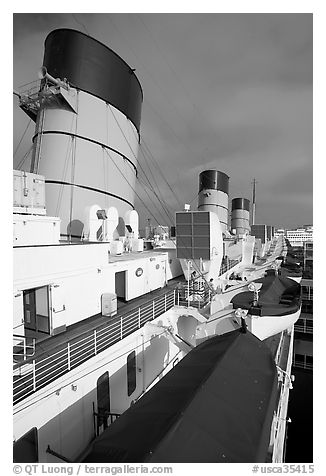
109,304
137,244
116,247
28,193
35,230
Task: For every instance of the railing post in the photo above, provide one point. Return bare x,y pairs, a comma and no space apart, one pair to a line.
68,355
139,314
95,342
174,297
179,297
24,341
34,375
164,302
121,327
153,309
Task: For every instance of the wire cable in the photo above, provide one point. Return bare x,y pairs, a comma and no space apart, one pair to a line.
80,23
163,204
22,137
197,268
21,163
130,185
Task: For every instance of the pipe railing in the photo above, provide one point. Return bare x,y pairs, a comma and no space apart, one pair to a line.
302,363
304,325
227,264
195,294
40,371
23,347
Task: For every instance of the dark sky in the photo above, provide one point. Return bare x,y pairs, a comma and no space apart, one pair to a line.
229,91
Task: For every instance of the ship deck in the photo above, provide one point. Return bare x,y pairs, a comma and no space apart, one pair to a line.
57,355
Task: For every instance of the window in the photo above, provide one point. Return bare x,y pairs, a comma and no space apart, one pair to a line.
26,448
309,360
131,372
103,398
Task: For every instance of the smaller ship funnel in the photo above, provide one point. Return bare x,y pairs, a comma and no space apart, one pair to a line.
240,216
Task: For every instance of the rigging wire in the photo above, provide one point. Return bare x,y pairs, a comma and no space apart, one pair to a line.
159,169
173,105
164,207
21,163
157,84
152,175
197,268
130,185
162,202
22,137
148,161
159,48
73,167
64,172
159,212
179,81
167,125
80,23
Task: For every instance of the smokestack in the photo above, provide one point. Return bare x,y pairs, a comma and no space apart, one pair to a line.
240,215
87,137
214,195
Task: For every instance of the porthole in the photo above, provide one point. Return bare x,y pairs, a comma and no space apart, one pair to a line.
139,272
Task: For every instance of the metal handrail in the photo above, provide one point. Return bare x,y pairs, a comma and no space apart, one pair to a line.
195,295
226,265
304,325
21,347
302,365
42,371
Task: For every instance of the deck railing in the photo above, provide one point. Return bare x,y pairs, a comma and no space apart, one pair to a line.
304,325
36,373
227,264
307,293
196,294
23,347
302,362
103,419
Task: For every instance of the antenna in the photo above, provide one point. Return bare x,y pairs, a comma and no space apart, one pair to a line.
253,201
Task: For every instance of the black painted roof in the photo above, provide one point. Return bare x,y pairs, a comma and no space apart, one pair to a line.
216,405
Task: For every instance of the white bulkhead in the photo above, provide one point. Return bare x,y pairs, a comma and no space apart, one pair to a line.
75,277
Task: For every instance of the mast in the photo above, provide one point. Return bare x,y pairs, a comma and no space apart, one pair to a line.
253,200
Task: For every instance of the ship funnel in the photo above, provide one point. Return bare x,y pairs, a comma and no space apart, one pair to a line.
240,216
87,145
213,195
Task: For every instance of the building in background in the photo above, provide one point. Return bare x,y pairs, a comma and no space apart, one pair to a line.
300,236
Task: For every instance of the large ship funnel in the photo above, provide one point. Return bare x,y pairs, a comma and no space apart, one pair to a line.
240,216
87,128
214,195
